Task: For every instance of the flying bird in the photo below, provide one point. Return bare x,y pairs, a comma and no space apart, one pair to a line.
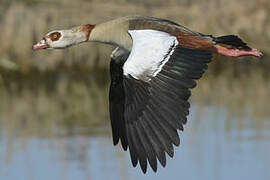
153,67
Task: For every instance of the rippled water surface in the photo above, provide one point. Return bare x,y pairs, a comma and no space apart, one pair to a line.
214,146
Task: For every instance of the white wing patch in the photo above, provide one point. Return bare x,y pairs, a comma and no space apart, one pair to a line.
151,49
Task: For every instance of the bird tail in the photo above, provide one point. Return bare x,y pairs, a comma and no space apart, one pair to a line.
232,45
231,40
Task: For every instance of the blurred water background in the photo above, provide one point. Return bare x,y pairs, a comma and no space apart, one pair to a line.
54,121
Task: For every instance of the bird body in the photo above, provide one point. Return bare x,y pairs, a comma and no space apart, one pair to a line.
116,32
153,67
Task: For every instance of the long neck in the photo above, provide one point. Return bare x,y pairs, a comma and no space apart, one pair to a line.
113,32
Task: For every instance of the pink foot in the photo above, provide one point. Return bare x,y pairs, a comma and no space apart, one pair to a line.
237,52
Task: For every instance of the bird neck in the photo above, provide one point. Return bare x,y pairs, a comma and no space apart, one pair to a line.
113,32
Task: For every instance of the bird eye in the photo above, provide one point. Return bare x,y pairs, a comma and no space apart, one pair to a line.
55,36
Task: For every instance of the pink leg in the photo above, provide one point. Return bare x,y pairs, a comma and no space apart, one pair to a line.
237,52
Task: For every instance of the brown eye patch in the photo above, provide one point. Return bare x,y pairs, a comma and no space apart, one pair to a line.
55,36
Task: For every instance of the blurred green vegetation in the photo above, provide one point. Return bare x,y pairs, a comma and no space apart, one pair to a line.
42,91
25,22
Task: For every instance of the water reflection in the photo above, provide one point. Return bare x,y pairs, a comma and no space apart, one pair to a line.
210,149
55,125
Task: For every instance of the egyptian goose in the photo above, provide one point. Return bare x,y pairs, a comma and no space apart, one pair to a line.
153,68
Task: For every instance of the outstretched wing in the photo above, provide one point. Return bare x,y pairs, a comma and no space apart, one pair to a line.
117,97
156,82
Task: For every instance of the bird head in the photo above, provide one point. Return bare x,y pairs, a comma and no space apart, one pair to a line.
60,39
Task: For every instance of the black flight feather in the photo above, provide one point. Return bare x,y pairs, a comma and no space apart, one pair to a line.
145,116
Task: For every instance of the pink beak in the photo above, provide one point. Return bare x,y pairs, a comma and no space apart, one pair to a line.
40,45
